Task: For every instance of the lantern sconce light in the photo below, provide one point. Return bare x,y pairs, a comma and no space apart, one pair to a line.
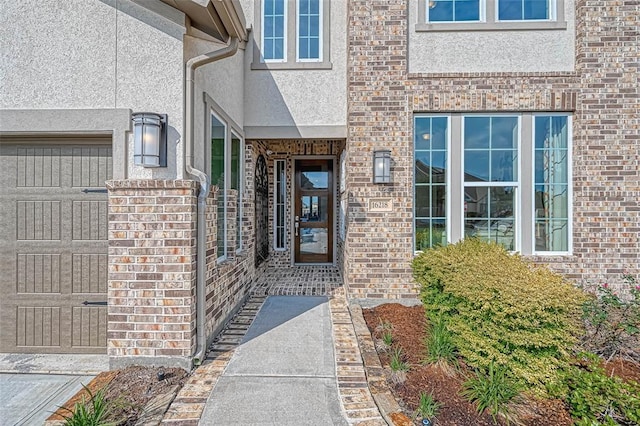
149,139
382,166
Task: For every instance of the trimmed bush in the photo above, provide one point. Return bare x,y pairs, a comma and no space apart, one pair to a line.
501,309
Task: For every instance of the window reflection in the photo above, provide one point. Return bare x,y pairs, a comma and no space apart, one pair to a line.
314,208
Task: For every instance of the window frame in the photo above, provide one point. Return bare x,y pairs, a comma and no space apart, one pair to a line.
481,14
524,198
232,129
276,226
284,32
292,60
556,20
320,33
551,4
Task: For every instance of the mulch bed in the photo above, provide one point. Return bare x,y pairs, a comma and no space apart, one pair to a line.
128,390
409,332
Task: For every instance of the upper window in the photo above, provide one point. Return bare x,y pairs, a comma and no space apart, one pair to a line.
274,30
485,176
523,10
293,34
469,15
453,10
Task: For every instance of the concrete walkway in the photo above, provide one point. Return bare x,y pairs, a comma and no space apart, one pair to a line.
283,372
29,399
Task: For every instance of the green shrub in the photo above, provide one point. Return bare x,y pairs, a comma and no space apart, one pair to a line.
492,390
500,309
595,398
612,323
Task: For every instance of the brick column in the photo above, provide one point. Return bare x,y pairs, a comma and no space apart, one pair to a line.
152,252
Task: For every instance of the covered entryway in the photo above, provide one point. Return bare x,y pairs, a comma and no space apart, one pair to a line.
313,221
53,244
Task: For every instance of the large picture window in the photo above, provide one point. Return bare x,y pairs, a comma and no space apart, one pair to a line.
498,177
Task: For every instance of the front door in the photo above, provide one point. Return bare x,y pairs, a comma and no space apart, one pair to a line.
313,233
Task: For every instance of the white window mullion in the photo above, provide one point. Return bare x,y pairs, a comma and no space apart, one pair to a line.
456,185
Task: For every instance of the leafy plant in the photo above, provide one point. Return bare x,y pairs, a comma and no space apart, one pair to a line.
387,338
396,361
399,366
93,412
428,407
439,342
500,308
384,343
492,390
613,324
595,398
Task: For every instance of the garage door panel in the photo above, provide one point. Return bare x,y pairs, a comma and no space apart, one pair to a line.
38,220
53,246
89,220
38,167
91,166
89,326
38,326
89,273
38,273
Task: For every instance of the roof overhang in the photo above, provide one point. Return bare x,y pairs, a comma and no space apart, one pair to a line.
220,19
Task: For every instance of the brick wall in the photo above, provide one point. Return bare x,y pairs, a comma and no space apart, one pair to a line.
151,294
602,93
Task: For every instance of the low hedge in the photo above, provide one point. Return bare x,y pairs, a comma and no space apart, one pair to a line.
501,308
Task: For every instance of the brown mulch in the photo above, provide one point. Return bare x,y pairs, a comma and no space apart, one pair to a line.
128,390
445,384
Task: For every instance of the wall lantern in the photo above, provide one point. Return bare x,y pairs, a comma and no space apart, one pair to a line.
149,139
382,167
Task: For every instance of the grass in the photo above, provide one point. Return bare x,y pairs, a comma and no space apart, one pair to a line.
399,366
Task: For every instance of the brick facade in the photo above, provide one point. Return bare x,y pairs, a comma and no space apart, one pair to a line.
152,250
602,93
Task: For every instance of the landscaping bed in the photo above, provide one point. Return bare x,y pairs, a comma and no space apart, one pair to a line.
408,330
126,392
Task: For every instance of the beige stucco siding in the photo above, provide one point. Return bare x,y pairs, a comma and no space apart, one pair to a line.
492,51
295,97
94,54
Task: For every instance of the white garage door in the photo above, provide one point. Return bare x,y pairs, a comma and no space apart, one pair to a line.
53,245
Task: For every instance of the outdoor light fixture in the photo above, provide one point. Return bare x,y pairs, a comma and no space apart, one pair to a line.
382,167
149,139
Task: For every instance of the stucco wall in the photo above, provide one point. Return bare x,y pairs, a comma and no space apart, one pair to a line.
95,54
491,51
223,82
298,97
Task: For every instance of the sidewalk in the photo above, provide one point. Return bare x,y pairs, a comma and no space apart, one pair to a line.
284,371
283,360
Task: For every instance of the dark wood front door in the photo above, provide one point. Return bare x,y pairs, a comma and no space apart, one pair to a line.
313,233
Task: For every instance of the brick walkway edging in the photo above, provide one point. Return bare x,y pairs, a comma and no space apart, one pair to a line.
357,401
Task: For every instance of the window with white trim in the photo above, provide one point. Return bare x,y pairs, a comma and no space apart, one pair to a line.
293,34
478,15
226,173
274,30
524,10
280,204
453,10
498,177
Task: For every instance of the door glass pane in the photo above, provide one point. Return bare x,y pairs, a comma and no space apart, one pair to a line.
314,208
314,240
490,214
314,180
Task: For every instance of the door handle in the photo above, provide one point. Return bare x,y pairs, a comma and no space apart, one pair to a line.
86,303
296,226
